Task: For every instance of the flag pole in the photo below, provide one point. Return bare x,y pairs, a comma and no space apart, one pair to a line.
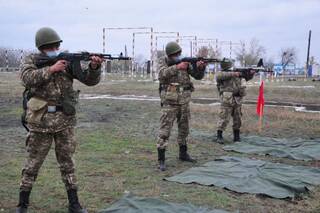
260,119
261,107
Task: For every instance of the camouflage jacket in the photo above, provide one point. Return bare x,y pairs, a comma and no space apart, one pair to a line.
51,89
230,87
175,85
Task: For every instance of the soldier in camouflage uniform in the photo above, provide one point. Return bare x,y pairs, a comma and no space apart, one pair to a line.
50,115
231,93
175,93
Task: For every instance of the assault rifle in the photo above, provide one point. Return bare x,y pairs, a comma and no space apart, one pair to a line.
193,61
73,60
75,57
246,72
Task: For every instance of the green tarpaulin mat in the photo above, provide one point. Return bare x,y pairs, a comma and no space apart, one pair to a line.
245,175
298,149
132,204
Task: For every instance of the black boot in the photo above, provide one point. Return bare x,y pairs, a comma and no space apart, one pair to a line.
161,159
219,137
74,205
183,154
236,135
23,202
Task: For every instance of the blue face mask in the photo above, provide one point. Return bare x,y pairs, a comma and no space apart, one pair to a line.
53,53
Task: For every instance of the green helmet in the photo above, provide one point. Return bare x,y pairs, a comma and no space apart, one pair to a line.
45,36
172,48
226,64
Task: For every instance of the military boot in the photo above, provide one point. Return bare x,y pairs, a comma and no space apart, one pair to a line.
236,135
183,154
219,137
74,205
23,202
161,159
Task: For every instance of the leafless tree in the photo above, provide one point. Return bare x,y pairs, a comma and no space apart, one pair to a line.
269,63
250,55
2,57
312,60
208,51
160,53
203,51
288,56
12,58
214,53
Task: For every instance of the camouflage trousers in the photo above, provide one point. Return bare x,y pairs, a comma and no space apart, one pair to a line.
38,146
228,111
170,113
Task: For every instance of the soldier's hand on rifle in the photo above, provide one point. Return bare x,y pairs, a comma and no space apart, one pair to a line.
201,65
183,66
58,66
95,62
238,74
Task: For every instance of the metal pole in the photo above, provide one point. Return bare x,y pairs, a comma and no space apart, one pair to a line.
187,37
21,57
217,47
104,40
7,60
230,49
151,52
195,46
243,57
104,50
133,60
216,64
119,28
308,53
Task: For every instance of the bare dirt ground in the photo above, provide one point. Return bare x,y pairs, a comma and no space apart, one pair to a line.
116,151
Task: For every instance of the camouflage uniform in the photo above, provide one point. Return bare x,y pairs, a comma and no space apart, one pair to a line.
51,89
175,93
231,94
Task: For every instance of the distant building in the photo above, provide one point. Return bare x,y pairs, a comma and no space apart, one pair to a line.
278,69
314,70
291,69
211,67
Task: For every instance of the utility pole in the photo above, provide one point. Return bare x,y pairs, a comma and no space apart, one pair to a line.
308,53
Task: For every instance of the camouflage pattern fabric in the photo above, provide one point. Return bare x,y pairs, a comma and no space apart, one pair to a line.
170,113
231,94
175,98
52,87
38,146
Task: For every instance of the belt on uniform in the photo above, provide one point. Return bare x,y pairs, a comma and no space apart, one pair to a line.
235,94
179,88
53,109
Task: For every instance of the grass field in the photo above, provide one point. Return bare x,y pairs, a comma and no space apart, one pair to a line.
116,147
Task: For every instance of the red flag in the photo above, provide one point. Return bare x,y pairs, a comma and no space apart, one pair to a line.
260,103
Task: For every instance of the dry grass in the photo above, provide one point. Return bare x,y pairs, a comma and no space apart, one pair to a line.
117,148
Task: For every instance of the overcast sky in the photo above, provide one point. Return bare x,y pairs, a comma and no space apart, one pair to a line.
275,23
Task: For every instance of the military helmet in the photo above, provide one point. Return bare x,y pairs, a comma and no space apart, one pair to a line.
172,48
46,36
226,64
